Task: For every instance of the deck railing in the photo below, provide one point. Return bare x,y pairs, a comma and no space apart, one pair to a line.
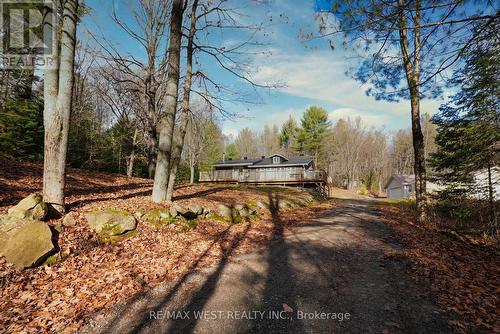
256,176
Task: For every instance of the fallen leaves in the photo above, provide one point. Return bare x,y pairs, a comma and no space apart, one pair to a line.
93,276
462,275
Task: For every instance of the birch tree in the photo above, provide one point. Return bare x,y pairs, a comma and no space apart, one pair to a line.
58,85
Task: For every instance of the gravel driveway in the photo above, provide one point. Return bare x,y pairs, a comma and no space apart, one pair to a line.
338,274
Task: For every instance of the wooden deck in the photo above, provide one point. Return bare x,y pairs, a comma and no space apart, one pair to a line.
263,177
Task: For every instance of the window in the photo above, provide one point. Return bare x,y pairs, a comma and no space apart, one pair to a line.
276,160
407,188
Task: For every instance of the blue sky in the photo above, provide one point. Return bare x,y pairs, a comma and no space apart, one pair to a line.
313,74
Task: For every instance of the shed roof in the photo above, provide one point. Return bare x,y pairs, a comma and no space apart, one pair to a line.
401,179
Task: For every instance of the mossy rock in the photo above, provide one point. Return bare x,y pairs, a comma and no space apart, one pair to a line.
110,222
159,217
105,238
217,217
31,207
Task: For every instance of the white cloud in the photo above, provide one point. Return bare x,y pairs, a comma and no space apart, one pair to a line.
371,120
319,75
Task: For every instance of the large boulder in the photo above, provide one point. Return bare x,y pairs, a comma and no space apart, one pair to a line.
27,244
197,209
224,211
186,212
31,207
110,222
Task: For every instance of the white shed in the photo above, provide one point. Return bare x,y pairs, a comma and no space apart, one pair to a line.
401,186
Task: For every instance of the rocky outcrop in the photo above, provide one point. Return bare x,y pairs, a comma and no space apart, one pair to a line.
110,222
32,207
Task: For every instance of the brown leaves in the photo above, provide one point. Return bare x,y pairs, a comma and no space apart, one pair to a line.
462,275
93,276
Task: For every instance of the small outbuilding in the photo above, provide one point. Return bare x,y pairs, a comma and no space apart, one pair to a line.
401,186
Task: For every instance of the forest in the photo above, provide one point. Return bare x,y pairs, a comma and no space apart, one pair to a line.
110,111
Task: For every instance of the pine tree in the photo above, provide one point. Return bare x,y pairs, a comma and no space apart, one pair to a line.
469,125
314,125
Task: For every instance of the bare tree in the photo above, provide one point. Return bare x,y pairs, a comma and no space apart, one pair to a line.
144,77
184,117
269,141
246,143
402,152
341,151
58,85
167,122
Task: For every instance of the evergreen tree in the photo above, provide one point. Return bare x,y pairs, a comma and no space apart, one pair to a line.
469,125
288,135
314,126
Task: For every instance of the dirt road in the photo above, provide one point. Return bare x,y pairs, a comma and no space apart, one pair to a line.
338,274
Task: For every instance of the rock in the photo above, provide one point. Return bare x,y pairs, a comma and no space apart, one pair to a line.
252,211
185,212
31,207
68,221
262,205
138,214
244,212
224,211
110,222
158,217
283,204
28,244
173,211
164,214
239,207
197,209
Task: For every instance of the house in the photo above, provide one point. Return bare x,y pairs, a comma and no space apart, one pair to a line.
403,186
400,186
481,183
275,169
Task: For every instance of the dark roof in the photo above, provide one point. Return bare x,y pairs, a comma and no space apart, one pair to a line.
298,160
401,179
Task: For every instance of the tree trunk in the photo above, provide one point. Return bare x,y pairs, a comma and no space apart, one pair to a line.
57,95
130,167
493,221
184,119
412,71
152,144
168,120
191,174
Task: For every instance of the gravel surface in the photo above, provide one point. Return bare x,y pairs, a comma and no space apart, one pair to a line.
338,274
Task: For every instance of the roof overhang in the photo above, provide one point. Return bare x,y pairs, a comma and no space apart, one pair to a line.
233,165
279,165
